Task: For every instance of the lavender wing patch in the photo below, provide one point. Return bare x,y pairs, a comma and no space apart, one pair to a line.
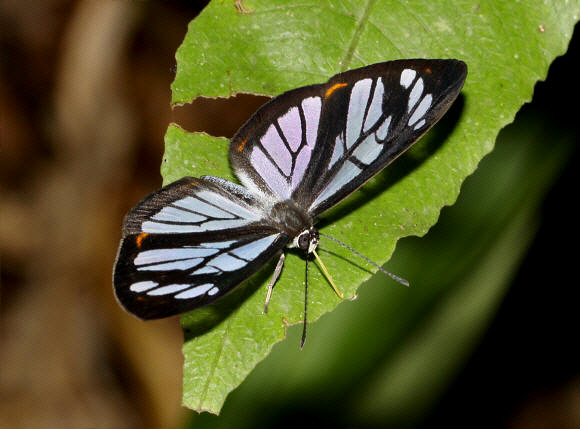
302,160
270,173
282,154
312,107
276,148
291,126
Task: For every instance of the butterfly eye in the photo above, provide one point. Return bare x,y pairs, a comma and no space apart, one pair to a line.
304,240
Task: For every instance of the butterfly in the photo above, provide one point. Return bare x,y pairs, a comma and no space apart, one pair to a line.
300,154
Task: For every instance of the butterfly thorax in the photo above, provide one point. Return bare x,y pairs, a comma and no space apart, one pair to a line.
296,223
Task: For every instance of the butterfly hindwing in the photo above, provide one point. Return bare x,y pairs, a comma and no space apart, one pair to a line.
272,150
190,243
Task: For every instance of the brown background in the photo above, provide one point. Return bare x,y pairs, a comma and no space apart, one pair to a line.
84,104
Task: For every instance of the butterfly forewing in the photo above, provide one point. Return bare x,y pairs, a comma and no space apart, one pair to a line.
190,243
371,116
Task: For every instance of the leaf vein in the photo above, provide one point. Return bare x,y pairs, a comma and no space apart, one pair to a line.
203,396
345,62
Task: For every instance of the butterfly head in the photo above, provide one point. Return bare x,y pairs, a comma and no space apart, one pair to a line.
307,239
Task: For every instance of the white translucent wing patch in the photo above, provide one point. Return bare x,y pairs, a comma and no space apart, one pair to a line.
143,286
376,107
194,292
347,172
206,211
216,258
416,120
383,130
182,258
359,97
338,150
368,127
284,151
240,256
407,78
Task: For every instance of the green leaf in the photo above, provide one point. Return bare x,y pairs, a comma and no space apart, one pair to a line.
508,46
385,359
476,273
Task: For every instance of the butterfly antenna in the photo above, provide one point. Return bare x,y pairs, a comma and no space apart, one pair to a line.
346,246
303,340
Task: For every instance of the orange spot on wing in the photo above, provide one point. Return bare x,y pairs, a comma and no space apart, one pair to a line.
242,145
428,70
140,238
333,88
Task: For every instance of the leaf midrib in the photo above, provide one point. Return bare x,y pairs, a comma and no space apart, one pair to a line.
345,62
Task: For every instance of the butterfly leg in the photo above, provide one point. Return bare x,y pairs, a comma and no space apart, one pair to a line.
273,280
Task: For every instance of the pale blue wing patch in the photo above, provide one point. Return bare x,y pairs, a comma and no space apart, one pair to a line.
407,78
420,112
167,290
196,291
376,107
347,172
226,262
163,255
205,270
226,204
415,94
238,257
383,130
249,251
312,107
176,214
270,173
359,98
183,265
218,244
338,150
143,286
196,205
182,258
367,151
416,98
206,211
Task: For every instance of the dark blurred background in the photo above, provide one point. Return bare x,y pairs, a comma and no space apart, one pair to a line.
84,105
